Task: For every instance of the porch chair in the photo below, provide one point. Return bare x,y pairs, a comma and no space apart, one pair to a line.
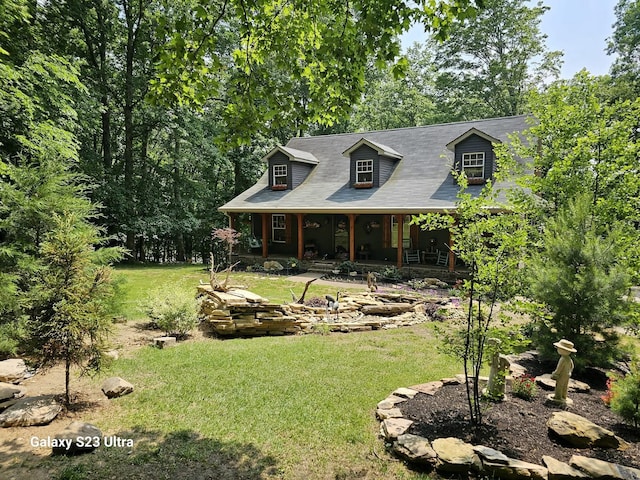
410,255
443,259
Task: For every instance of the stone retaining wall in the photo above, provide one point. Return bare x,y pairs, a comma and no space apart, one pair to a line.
242,313
453,456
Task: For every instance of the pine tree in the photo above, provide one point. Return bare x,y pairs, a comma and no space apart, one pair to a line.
579,277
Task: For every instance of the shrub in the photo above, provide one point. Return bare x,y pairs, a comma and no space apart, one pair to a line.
172,311
391,272
348,266
625,400
524,387
608,396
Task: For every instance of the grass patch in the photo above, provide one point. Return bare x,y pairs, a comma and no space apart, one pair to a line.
136,282
272,407
300,403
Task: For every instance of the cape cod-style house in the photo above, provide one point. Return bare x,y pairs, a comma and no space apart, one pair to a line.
351,196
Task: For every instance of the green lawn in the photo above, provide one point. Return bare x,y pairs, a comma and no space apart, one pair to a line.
273,407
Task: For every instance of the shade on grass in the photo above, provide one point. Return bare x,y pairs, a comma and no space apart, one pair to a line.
294,398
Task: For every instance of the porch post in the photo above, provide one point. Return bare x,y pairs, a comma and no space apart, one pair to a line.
400,222
265,235
300,236
452,256
352,237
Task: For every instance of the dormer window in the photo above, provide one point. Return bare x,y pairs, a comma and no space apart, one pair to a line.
473,166
364,173
279,177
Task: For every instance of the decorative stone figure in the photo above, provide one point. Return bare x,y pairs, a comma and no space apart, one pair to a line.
562,373
498,372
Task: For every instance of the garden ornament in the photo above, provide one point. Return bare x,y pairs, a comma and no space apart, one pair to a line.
562,373
498,372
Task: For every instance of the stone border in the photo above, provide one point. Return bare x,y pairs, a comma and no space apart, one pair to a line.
452,455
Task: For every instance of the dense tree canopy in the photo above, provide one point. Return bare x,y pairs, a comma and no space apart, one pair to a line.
487,66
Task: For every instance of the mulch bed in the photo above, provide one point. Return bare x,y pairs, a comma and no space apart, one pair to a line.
518,427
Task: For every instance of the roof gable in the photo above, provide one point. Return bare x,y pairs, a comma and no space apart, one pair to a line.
293,154
472,131
380,148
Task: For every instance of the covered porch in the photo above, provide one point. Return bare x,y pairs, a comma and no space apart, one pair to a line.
375,238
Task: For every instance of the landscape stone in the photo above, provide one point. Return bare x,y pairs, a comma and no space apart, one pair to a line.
454,455
30,411
561,471
546,382
392,428
116,387
580,432
165,342
391,401
383,413
601,470
404,392
13,370
515,470
415,449
491,455
429,388
75,431
8,391
457,380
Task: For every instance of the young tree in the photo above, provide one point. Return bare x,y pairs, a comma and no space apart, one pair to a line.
67,305
490,239
581,277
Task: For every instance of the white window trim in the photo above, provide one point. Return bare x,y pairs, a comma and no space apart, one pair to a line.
364,166
275,226
473,160
406,232
280,171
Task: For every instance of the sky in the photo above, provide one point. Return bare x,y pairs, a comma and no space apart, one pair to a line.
579,28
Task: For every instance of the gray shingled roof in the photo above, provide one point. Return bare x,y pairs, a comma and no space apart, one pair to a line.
421,181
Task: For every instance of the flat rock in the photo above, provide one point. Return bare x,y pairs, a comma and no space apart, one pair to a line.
392,428
429,388
13,370
116,387
384,413
415,449
546,382
491,455
404,392
515,470
391,401
77,437
580,432
31,411
454,455
561,471
9,392
165,342
600,470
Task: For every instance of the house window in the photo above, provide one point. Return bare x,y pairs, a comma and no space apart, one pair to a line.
279,175
278,228
406,232
364,172
473,165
